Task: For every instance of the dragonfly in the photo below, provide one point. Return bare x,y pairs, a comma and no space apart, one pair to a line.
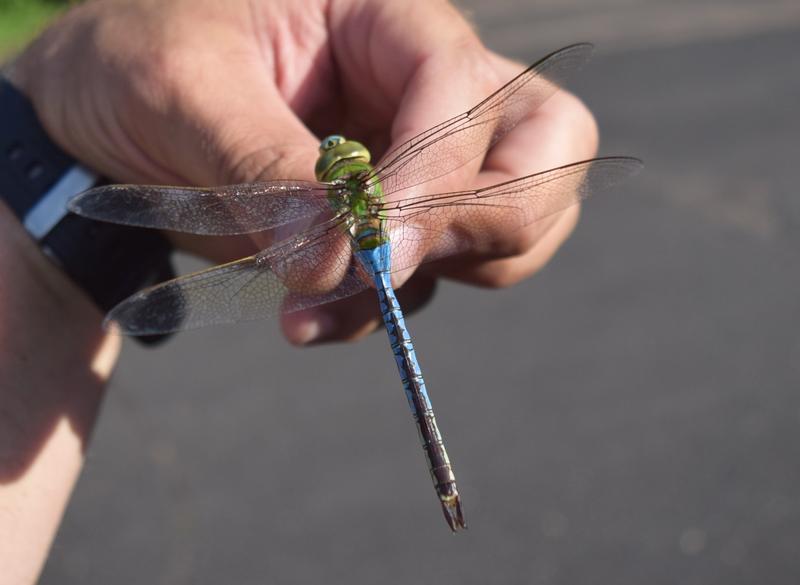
353,228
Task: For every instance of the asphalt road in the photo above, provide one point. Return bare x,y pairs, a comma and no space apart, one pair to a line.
629,416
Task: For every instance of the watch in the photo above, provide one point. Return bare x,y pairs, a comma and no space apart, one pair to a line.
109,262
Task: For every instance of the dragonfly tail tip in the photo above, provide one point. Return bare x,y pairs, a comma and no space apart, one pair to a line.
453,514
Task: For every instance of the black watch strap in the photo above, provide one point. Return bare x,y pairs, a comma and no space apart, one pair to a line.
109,262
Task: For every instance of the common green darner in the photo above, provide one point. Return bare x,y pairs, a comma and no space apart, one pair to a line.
354,227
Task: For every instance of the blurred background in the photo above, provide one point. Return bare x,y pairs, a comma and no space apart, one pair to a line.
631,415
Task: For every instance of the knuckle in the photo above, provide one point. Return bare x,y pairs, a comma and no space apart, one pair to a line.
240,164
515,246
166,68
521,241
503,274
263,162
579,121
525,240
521,257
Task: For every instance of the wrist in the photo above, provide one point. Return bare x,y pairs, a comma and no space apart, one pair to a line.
37,179
39,304
54,363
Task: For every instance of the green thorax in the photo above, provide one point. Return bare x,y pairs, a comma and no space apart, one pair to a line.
346,162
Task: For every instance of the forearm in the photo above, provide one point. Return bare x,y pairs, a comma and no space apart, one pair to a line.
54,363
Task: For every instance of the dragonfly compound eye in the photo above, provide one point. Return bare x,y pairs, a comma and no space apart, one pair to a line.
340,158
330,142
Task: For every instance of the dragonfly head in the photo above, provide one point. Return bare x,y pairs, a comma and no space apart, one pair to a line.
336,151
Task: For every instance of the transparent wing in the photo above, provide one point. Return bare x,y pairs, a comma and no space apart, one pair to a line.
317,266
435,226
455,142
310,269
229,210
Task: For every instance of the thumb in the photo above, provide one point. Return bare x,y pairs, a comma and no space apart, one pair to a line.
223,137
246,136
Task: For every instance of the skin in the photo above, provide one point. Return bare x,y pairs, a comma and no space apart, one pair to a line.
207,93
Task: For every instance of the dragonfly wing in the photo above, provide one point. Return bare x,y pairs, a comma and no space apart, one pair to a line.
455,142
310,269
435,226
229,210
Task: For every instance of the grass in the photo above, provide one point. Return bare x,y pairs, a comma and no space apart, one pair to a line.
21,20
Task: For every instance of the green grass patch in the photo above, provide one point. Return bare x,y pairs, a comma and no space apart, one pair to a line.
21,20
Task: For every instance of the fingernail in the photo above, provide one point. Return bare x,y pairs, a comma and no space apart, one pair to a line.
312,328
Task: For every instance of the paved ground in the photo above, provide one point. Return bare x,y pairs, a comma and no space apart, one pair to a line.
630,416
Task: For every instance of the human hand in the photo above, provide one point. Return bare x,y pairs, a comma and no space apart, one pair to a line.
203,92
